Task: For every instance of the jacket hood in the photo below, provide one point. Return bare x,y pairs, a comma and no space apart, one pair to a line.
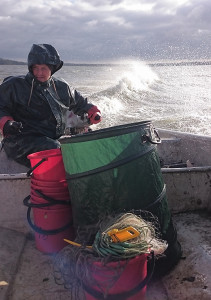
44,54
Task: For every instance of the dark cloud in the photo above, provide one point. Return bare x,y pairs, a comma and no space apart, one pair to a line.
98,30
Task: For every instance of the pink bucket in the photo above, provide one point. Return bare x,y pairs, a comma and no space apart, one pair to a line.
50,221
130,285
50,201
53,184
56,195
47,165
48,205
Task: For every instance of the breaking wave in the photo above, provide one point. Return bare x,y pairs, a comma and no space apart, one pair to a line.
128,99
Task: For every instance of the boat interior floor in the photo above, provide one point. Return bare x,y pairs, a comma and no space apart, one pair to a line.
191,278
26,273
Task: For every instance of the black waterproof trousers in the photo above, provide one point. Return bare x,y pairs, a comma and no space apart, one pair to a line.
18,147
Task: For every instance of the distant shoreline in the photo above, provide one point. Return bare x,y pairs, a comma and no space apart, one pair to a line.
153,64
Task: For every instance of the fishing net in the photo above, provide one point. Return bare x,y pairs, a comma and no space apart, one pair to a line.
78,263
145,242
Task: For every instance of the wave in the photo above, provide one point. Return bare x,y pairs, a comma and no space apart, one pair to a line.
134,86
173,101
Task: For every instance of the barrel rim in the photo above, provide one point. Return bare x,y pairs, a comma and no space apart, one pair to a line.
45,154
105,132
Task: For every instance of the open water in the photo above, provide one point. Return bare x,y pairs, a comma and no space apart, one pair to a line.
172,97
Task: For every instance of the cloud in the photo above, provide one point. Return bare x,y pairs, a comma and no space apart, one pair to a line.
95,30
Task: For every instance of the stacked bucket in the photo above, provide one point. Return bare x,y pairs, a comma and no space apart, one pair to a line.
49,201
130,285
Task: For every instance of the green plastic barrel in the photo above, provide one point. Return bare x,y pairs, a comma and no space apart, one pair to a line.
115,169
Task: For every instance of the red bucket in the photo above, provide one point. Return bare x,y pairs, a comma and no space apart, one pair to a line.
48,165
52,222
54,184
51,227
55,194
36,199
128,285
49,221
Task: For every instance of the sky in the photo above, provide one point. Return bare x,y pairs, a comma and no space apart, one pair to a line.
98,31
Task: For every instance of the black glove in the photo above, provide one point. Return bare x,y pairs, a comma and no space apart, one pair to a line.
12,127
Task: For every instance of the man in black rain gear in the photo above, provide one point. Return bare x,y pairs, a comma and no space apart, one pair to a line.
33,107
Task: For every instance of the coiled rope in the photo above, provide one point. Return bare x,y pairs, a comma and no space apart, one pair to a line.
72,264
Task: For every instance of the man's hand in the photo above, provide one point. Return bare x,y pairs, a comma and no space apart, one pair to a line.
12,127
94,115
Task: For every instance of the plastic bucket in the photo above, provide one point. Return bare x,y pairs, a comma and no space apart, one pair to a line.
55,188
53,184
49,239
55,194
47,165
53,203
51,223
130,285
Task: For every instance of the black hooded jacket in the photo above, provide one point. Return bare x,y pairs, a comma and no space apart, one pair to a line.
41,107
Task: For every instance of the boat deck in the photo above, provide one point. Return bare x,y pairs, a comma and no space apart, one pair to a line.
26,273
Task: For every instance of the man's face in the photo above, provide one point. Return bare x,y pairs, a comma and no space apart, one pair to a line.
41,72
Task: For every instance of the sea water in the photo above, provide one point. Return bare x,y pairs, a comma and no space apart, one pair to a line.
175,97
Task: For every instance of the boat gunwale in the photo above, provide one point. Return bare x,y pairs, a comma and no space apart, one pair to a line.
163,170
181,134
186,170
14,176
